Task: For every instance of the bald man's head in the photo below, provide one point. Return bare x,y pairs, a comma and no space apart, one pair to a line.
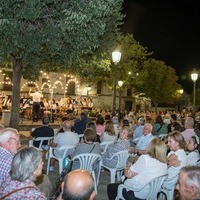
78,185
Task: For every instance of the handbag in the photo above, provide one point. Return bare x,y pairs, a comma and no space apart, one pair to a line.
57,187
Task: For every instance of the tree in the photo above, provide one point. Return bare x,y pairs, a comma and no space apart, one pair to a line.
53,35
158,82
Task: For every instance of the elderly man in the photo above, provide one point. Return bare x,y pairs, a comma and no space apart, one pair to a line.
78,184
9,144
143,142
189,131
189,183
62,139
138,132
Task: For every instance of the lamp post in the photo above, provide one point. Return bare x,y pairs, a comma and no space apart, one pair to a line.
120,83
194,77
116,56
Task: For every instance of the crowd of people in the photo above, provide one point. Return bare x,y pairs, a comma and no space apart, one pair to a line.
175,155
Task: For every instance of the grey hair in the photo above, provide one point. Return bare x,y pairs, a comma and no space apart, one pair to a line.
25,163
7,133
190,121
193,177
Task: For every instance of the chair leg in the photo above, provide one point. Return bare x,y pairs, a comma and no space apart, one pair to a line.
112,175
119,175
48,163
95,182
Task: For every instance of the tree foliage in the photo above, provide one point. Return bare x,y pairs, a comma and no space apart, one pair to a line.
54,35
158,82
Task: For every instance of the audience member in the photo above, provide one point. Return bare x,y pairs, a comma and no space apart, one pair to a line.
138,132
159,126
9,144
80,124
177,147
92,125
100,127
144,141
109,133
43,131
78,184
147,167
189,183
26,166
173,119
189,131
87,147
122,143
63,139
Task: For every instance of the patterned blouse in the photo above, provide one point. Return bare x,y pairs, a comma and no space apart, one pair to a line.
117,146
27,193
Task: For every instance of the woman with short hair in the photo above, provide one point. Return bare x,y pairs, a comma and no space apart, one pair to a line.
26,166
145,169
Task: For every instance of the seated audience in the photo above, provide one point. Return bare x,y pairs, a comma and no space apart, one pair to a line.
109,133
63,139
177,147
144,141
43,131
159,126
189,131
147,167
122,143
87,147
26,166
78,184
138,132
9,144
100,127
189,183
80,124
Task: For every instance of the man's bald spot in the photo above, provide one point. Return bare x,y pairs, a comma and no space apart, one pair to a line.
78,181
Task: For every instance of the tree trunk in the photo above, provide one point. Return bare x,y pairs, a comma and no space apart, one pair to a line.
14,119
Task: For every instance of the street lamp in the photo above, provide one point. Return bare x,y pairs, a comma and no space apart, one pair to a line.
194,77
116,56
120,83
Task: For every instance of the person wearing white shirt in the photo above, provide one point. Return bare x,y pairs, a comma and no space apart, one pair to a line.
36,104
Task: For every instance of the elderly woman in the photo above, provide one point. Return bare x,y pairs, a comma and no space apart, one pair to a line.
26,166
89,146
147,167
122,143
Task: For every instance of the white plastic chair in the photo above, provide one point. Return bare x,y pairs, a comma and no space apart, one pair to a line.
122,157
87,161
41,140
104,145
155,186
166,193
67,150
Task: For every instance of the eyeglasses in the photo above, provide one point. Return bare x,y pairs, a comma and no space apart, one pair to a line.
18,141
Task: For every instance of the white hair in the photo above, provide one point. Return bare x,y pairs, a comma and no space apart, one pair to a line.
7,133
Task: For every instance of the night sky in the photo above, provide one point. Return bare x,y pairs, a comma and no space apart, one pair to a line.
171,29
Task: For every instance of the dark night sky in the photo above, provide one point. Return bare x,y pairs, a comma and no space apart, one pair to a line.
171,29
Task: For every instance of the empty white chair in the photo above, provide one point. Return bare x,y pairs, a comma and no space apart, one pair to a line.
155,186
67,150
87,161
122,157
104,145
